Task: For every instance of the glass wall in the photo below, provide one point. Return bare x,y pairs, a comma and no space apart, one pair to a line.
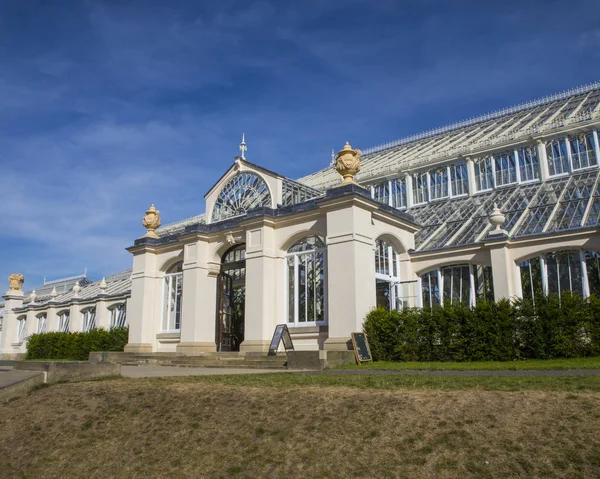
574,271
118,316
88,319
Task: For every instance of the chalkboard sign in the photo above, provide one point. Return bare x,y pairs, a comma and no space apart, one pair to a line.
361,348
281,333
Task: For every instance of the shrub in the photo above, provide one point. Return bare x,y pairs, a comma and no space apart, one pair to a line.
555,327
76,346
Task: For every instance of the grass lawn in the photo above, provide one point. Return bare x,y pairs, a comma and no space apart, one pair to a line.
300,425
532,364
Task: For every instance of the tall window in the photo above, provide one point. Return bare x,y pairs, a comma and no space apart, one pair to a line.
506,170
558,158
305,281
438,182
172,296
88,319
420,188
557,272
42,323
459,179
528,164
484,174
21,328
461,283
399,193
431,289
381,192
63,321
582,151
387,275
118,318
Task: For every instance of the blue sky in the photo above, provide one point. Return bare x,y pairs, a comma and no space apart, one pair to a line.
109,106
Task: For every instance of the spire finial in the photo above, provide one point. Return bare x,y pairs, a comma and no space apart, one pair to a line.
243,147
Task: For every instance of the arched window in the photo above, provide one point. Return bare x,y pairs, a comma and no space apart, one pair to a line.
387,275
172,296
242,193
42,323
63,321
305,279
460,283
21,328
88,319
118,317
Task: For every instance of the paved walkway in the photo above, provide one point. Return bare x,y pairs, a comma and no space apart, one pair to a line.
163,371
10,376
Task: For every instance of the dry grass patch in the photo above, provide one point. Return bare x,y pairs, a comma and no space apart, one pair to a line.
183,428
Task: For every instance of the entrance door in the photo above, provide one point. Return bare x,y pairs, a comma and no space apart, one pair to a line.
231,296
225,313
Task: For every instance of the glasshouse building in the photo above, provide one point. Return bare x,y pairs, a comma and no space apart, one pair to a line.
500,206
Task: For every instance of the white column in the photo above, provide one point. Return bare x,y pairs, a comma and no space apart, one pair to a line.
9,350
199,300
596,146
262,288
350,272
504,270
471,176
517,165
543,160
409,190
472,295
142,313
569,153
102,314
51,319
75,320
544,273
584,276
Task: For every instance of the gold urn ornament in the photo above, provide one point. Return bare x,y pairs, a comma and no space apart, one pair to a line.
347,163
151,222
16,281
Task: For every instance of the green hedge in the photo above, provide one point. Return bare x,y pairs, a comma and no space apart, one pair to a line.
76,346
565,327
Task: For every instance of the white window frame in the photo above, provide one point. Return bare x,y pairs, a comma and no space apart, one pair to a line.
169,310
483,168
21,329
88,319
393,266
420,193
461,179
296,322
63,321
118,314
42,323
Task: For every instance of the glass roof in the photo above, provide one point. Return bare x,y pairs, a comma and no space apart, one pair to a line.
560,204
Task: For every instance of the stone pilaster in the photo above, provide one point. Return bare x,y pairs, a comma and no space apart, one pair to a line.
8,336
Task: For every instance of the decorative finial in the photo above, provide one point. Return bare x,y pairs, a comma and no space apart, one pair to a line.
243,147
76,289
497,219
32,297
16,281
347,164
103,284
53,294
151,222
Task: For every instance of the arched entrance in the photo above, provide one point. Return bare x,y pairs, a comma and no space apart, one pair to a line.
231,299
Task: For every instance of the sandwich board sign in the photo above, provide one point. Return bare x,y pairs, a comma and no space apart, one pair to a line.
281,333
362,351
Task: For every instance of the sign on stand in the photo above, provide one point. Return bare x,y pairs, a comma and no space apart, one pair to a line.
362,351
281,333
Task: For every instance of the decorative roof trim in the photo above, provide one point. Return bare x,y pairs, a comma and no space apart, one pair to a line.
479,119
